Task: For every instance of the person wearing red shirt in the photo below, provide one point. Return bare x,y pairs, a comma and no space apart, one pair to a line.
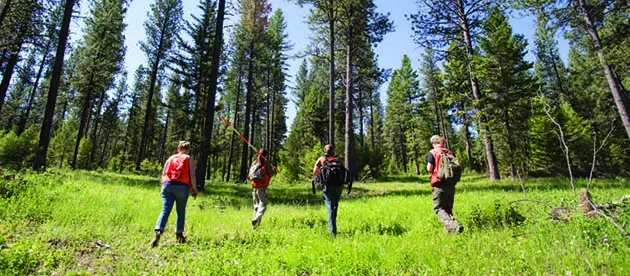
178,180
443,192
259,188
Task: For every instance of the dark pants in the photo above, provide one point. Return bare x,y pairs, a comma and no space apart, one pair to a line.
443,198
173,193
331,199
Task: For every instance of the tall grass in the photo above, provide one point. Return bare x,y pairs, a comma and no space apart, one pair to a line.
101,223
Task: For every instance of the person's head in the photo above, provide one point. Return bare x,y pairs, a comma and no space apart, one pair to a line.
437,141
264,153
329,149
183,147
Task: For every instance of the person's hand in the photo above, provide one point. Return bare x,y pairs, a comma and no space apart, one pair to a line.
194,194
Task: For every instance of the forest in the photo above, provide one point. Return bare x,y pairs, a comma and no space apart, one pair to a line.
69,102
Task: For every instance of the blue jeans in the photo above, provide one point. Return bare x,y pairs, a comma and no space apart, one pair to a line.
331,199
173,194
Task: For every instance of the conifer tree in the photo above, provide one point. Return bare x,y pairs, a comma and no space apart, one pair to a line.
161,28
440,22
44,136
99,60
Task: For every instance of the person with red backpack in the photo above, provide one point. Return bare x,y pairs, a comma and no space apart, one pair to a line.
178,179
442,163
260,173
331,175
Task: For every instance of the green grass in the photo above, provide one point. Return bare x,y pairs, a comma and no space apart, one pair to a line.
50,223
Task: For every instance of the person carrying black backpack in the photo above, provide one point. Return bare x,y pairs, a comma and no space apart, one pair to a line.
331,175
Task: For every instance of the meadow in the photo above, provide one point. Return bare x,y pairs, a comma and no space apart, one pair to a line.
81,222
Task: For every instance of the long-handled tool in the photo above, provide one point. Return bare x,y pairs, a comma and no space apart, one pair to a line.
247,142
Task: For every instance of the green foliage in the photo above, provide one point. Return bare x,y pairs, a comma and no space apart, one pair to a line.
17,152
498,216
151,166
84,153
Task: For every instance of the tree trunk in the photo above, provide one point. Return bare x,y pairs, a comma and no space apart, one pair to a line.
272,148
107,142
613,83
467,140
236,119
94,135
148,111
85,109
248,95
8,73
5,10
403,151
44,135
349,151
163,140
371,122
360,105
331,100
510,143
214,75
29,104
493,170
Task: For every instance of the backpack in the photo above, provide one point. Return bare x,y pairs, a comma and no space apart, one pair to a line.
177,169
332,173
449,169
255,172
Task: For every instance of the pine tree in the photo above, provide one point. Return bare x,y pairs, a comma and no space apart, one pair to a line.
44,136
507,81
403,92
437,24
214,76
253,22
100,59
161,28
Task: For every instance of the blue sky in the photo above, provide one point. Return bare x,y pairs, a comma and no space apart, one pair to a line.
390,51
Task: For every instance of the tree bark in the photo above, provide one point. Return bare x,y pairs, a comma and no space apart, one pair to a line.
349,150
493,169
29,104
85,109
331,100
8,73
95,131
248,95
467,140
613,83
236,119
44,135
214,75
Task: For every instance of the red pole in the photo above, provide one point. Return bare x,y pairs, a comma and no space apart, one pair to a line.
247,142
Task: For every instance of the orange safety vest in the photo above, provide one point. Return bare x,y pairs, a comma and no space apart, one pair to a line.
177,168
264,181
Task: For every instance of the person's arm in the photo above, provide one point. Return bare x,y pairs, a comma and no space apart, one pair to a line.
193,179
317,166
430,162
271,170
164,178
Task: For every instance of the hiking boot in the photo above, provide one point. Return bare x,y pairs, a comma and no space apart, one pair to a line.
156,239
180,237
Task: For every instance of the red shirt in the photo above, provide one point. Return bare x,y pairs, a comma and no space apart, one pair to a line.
177,168
434,159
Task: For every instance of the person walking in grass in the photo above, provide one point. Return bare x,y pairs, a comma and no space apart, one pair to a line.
178,179
330,173
443,189
260,173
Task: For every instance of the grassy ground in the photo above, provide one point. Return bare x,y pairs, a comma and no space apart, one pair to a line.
101,223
